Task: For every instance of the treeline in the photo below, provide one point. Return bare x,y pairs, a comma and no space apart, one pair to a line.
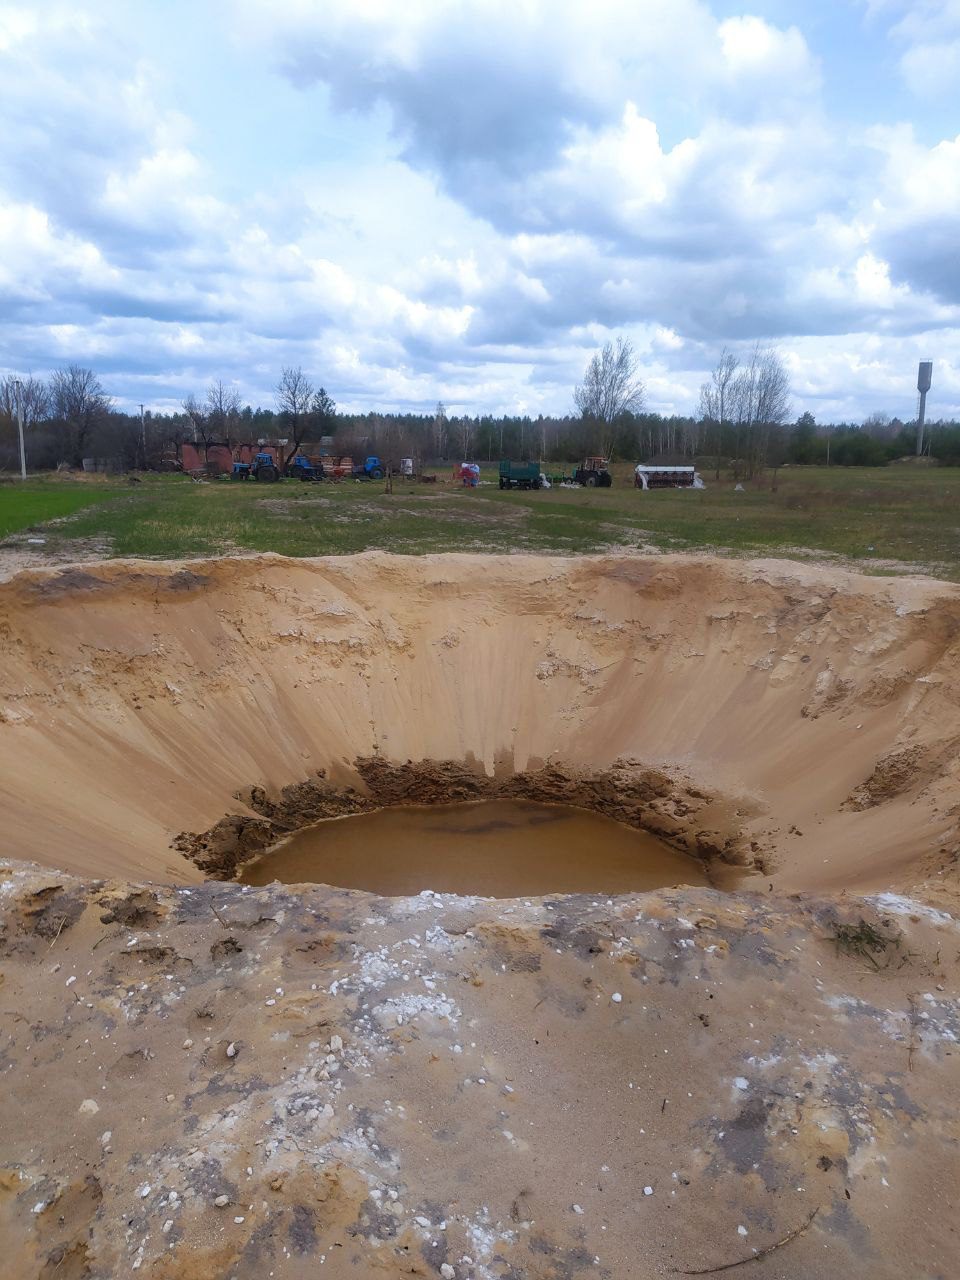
871,443
70,417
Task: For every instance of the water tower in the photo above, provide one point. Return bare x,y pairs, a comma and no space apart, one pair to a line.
924,378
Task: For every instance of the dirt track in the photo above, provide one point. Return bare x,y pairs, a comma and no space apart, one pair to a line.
454,1086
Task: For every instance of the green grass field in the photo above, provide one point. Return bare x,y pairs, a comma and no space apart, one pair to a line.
882,520
23,506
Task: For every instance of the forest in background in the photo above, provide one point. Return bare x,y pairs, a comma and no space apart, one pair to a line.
741,426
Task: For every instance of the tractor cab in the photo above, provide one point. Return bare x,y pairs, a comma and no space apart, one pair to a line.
594,472
264,467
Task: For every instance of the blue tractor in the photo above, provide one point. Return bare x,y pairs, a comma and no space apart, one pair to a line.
305,469
263,467
371,469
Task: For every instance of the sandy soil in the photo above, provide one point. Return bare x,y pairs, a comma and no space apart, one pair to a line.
807,719
222,1081
20,551
205,1080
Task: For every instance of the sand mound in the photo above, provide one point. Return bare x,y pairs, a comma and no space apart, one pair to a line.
798,722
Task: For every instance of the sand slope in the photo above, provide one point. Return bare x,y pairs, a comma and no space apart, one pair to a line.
138,700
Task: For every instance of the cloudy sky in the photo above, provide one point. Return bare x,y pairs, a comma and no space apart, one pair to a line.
461,199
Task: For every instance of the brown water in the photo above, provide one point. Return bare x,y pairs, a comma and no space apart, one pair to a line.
495,848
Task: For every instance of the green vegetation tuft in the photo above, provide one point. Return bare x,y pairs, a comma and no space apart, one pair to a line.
865,940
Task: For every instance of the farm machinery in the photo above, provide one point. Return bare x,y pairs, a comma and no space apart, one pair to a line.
522,475
306,469
372,468
594,473
645,477
263,468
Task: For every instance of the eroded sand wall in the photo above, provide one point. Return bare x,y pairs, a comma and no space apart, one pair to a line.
138,700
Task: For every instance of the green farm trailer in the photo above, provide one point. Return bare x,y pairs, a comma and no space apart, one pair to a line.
520,475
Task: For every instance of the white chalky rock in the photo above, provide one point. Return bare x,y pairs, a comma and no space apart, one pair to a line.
741,1231
577,1209
336,1044
222,1201
447,1271
648,1191
231,1050
88,1107
616,997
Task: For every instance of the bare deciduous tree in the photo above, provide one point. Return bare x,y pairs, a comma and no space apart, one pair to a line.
465,432
80,404
198,418
440,429
34,399
610,388
720,378
761,395
294,398
223,410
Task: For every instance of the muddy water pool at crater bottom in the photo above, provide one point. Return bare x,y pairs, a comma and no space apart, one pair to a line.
495,848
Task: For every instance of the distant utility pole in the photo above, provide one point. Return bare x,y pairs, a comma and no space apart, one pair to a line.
18,386
143,442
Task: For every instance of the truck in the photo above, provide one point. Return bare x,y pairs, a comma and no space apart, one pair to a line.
523,475
594,473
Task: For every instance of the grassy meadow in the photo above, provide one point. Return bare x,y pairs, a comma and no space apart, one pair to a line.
891,519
